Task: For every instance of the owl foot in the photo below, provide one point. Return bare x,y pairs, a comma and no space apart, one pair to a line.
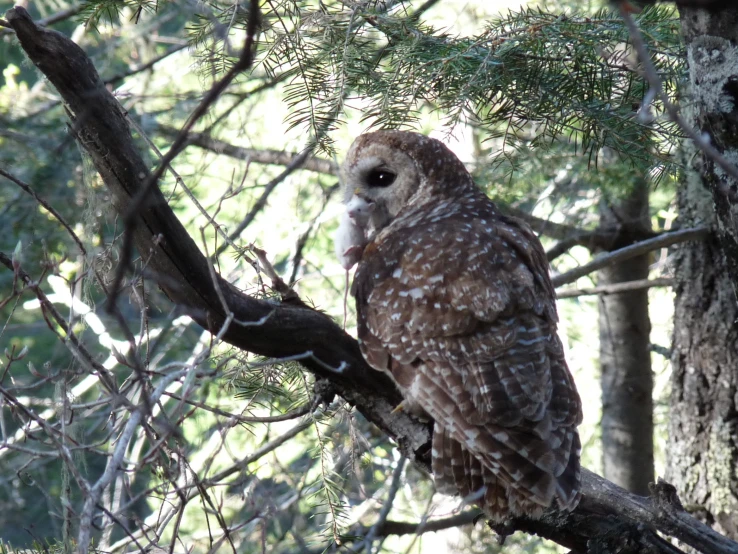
399,408
412,409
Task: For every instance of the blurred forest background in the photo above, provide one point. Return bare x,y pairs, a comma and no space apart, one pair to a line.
545,102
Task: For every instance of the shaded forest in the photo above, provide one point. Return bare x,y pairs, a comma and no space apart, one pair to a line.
180,371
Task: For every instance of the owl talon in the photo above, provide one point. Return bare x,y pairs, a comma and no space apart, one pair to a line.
399,408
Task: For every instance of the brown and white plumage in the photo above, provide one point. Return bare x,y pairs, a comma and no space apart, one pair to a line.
454,301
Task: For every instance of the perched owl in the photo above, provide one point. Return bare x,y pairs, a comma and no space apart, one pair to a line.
454,301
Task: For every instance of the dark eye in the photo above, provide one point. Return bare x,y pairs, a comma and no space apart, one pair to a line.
380,178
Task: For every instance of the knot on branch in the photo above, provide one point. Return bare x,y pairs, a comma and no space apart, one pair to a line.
288,295
665,496
325,391
621,538
502,530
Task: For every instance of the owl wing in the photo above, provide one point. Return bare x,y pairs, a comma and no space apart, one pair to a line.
462,313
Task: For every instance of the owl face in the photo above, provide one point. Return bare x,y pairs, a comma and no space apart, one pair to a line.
397,170
382,174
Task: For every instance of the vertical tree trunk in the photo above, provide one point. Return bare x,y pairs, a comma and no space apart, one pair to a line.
703,429
625,358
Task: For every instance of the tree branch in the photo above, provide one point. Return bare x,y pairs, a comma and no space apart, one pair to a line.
48,207
569,236
541,226
615,288
608,519
661,241
145,66
46,21
390,527
183,271
268,157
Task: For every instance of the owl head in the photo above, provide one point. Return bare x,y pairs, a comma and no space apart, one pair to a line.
400,170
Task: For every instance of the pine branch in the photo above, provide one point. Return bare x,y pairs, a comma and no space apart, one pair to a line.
584,92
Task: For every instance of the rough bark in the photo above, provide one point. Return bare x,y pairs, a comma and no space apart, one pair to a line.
608,519
625,359
703,431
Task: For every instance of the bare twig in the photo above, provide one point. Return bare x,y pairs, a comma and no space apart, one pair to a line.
254,155
48,207
262,201
260,453
278,283
603,260
148,65
387,506
303,238
616,288
390,527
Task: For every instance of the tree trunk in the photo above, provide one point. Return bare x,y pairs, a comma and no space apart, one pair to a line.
625,358
703,430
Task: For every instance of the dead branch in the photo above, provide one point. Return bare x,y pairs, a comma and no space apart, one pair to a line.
260,156
48,207
145,66
608,519
390,527
616,288
261,202
611,258
46,21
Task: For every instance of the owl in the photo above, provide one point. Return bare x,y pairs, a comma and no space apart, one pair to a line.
455,303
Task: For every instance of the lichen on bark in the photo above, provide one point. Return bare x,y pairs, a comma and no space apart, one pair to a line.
704,417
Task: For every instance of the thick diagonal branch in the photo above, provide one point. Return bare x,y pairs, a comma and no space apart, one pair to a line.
183,274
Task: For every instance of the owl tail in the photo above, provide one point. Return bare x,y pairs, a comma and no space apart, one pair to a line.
568,484
458,472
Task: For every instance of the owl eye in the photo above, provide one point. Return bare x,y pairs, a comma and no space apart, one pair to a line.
380,178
